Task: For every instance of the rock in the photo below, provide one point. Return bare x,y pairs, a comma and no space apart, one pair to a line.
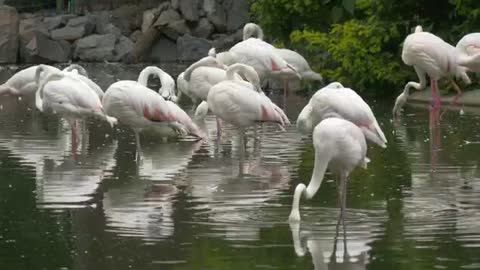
102,21
148,19
237,13
223,41
128,18
201,11
57,21
176,4
95,48
167,17
175,29
53,22
189,9
9,23
88,22
122,49
203,29
135,35
216,14
41,49
68,33
27,30
192,48
163,50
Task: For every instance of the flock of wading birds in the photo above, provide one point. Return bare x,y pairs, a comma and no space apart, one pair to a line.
229,85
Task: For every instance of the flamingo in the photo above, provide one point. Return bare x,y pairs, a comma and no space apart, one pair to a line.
243,103
430,55
63,93
167,90
23,83
262,56
334,100
291,57
140,107
340,154
468,49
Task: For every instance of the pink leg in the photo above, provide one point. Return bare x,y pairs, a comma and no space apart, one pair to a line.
459,93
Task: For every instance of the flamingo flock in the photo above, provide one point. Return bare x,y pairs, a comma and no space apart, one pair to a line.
229,85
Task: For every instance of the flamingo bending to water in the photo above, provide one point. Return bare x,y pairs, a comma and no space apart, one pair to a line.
167,90
341,154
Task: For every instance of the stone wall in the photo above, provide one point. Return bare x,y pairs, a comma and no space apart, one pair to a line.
188,29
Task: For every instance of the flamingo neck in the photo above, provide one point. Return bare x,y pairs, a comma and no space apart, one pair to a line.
321,163
304,120
167,82
200,63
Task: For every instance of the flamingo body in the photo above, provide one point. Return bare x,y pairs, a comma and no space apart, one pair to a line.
469,49
336,101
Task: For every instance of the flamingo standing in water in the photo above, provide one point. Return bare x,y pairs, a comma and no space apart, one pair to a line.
262,56
334,100
140,107
430,55
168,90
291,57
242,103
65,94
341,154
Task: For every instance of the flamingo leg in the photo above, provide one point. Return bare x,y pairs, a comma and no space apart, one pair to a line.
285,93
459,92
241,152
343,185
139,148
219,127
73,125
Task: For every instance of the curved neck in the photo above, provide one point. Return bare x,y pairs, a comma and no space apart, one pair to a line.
168,84
253,30
246,71
146,72
78,68
321,163
204,62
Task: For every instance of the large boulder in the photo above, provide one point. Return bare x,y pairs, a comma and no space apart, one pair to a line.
9,22
57,21
135,35
128,18
189,9
192,48
203,29
166,17
123,48
95,48
27,29
104,26
237,13
150,15
163,50
76,28
216,14
175,29
224,41
41,49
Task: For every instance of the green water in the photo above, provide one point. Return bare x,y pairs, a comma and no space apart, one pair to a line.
194,205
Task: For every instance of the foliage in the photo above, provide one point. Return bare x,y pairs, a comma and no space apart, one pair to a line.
361,44
356,55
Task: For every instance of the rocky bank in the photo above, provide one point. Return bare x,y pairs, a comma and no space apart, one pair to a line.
184,30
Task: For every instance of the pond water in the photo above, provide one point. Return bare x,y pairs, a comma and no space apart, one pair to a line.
194,205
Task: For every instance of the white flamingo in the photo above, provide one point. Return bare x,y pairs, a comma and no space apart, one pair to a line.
23,83
336,101
242,103
65,94
468,49
291,57
430,55
167,90
140,107
341,154
261,56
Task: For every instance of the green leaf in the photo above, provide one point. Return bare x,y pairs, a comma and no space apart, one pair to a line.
337,14
349,5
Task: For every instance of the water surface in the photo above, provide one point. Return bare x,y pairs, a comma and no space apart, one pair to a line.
194,205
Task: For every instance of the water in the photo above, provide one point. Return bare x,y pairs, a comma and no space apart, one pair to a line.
193,205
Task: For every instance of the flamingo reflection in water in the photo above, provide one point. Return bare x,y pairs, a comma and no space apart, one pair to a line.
139,197
351,254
